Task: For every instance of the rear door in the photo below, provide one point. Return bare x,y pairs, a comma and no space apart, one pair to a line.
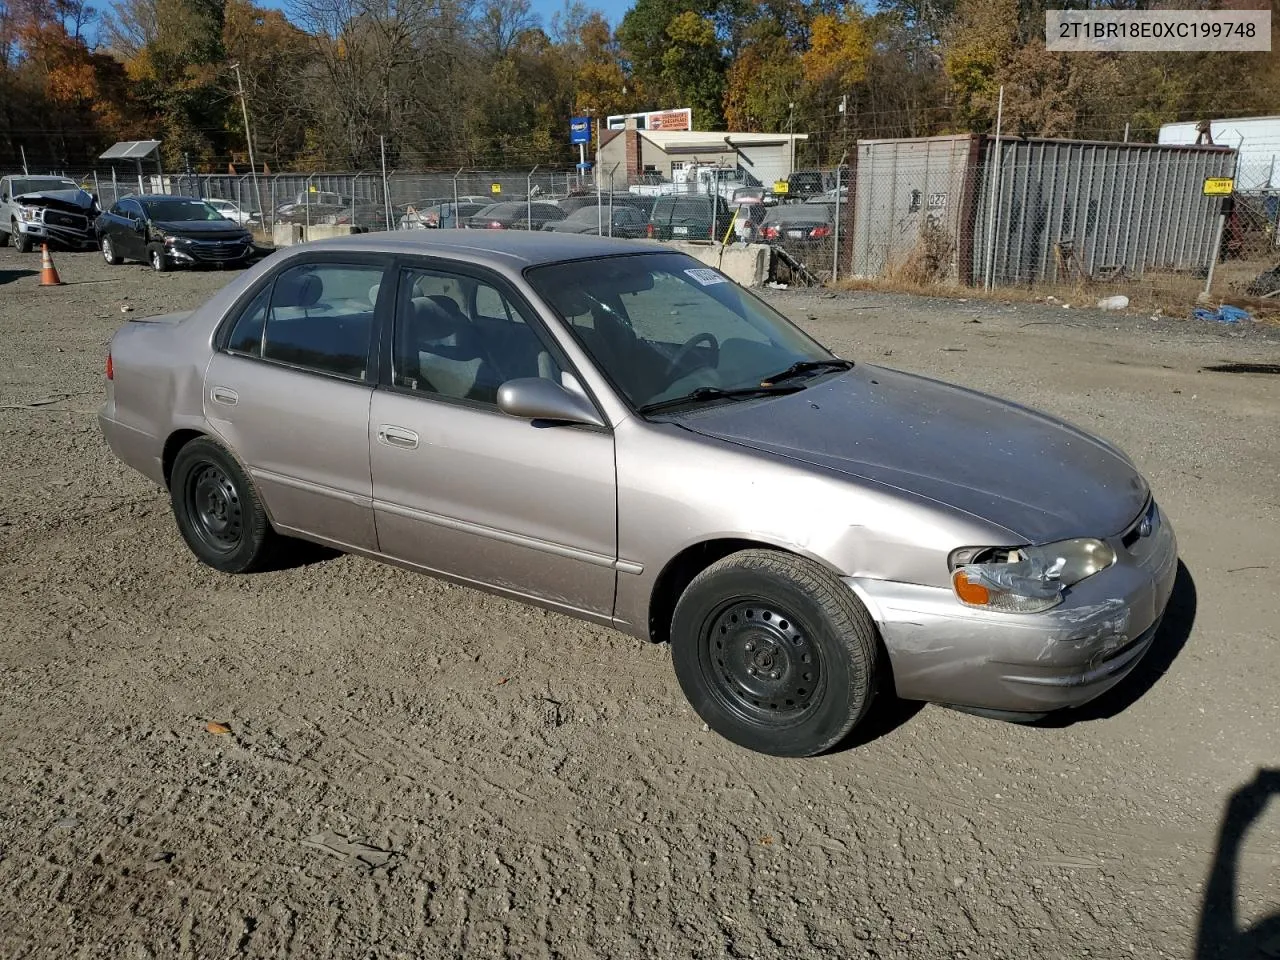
289,391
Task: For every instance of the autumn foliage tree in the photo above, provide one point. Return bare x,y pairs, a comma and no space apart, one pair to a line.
488,83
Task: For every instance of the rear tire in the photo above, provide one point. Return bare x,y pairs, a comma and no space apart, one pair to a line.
109,252
19,239
217,509
775,653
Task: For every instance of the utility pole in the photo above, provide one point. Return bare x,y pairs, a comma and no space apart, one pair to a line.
791,135
248,137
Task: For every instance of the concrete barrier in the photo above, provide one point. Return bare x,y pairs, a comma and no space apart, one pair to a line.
324,231
286,234
747,264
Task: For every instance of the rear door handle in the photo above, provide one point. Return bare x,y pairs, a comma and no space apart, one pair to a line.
394,436
224,395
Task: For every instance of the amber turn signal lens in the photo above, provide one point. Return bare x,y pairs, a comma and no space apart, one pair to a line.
974,593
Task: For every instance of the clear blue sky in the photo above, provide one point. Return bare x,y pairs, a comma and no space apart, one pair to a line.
612,9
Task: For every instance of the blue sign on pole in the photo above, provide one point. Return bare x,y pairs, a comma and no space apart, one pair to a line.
579,129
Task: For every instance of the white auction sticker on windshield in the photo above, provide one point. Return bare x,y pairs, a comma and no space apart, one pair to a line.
705,277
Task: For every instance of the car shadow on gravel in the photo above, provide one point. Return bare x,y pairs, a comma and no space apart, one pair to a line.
886,715
8,276
1218,936
1175,629
291,554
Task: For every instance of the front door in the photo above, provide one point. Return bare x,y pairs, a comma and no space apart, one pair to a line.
289,393
127,233
461,488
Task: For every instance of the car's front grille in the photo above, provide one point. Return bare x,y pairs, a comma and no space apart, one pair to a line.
217,250
56,218
1143,526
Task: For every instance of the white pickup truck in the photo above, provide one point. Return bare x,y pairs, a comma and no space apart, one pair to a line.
696,178
36,210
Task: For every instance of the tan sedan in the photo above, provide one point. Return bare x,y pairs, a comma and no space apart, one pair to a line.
613,430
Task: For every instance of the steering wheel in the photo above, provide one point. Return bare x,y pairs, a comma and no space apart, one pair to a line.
686,351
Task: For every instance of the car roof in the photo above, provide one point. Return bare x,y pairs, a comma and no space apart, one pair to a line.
510,249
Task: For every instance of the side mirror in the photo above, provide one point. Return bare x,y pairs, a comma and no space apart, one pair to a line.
532,398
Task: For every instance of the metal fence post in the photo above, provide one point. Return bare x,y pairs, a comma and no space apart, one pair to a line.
528,195
835,254
457,220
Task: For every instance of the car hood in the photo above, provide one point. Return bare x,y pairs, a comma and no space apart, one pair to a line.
76,201
1036,476
201,228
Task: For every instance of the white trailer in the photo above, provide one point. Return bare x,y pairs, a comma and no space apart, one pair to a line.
1257,140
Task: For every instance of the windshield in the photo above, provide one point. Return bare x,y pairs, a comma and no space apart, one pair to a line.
41,184
663,325
167,211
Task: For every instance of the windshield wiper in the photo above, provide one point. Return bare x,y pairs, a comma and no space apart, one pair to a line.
807,366
706,394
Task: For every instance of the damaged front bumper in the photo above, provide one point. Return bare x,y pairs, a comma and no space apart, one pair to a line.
80,239
1027,664
64,217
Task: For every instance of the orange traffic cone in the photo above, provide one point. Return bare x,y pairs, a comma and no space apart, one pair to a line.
48,274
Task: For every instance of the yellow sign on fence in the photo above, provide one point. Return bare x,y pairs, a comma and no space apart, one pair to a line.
1219,186
495,188
780,186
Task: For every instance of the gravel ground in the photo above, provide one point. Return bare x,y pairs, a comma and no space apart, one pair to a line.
422,771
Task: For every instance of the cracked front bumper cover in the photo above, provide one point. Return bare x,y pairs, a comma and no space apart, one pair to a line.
944,652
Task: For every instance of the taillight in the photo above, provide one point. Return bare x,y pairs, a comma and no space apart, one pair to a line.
769,233
111,372
649,231
822,231
495,225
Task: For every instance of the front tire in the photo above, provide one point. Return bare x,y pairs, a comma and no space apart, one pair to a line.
156,256
217,509
775,653
109,252
19,239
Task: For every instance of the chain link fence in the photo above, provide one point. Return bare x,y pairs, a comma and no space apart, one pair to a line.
1069,220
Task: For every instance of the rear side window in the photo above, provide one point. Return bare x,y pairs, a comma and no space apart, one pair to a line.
316,316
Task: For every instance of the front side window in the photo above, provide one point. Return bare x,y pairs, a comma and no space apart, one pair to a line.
317,316
462,338
663,325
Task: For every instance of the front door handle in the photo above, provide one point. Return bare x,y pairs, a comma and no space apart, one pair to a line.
394,436
224,395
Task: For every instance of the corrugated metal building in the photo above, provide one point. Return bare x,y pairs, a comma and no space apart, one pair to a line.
907,192
1063,209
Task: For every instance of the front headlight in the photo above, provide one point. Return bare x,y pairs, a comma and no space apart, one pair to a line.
1025,579
32,213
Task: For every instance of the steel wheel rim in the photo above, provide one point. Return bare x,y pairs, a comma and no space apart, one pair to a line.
214,507
155,259
106,249
760,663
